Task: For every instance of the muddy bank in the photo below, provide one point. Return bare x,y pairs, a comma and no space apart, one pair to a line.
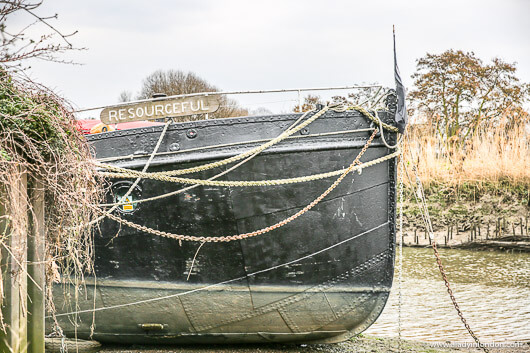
509,243
491,218
357,345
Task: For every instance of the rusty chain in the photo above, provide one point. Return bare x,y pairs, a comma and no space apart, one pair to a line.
453,299
422,204
203,239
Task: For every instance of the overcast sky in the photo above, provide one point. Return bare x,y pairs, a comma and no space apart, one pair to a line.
244,45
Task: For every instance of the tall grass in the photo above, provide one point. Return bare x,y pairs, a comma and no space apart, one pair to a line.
494,156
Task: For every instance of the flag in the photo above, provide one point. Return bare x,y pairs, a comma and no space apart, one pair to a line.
401,111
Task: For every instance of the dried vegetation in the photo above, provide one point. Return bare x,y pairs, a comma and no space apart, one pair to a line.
38,137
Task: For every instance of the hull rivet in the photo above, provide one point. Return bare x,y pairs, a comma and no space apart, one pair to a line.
191,133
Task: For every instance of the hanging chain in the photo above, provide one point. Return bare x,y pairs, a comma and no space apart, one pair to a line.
146,229
453,299
419,195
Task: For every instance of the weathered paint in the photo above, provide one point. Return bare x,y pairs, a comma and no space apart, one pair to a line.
319,277
163,108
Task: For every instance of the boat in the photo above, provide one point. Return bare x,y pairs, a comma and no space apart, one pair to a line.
322,277
273,228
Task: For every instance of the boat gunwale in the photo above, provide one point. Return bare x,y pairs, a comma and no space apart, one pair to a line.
220,122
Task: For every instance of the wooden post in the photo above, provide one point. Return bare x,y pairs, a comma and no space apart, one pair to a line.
36,269
14,274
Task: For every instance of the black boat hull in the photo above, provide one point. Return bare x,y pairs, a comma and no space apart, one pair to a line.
322,277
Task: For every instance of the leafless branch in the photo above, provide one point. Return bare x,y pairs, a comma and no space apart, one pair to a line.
17,46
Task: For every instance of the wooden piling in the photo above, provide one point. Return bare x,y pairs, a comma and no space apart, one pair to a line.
498,229
36,269
14,273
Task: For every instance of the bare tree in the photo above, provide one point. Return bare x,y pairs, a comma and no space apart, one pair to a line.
310,103
174,82
19,43
125,96
260,111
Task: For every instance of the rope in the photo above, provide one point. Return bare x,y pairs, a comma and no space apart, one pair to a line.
367,114
124,197
127,173
401,166
256,232
158,197
133,156
380,123
243,155
258,149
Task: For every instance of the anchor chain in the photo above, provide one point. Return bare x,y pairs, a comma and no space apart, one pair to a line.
203,239
422,204
453,299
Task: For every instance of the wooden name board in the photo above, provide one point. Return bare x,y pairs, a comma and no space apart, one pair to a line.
160,109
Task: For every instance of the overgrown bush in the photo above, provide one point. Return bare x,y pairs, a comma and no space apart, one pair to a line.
38,137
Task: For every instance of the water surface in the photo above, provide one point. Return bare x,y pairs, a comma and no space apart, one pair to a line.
492,289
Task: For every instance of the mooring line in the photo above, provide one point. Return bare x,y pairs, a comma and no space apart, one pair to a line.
224,282
196,185
229,238
136,182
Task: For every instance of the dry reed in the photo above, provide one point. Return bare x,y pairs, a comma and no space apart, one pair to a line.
495,155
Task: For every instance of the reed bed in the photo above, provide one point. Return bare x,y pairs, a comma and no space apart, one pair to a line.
493,158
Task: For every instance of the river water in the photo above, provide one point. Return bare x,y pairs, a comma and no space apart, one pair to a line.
492,289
